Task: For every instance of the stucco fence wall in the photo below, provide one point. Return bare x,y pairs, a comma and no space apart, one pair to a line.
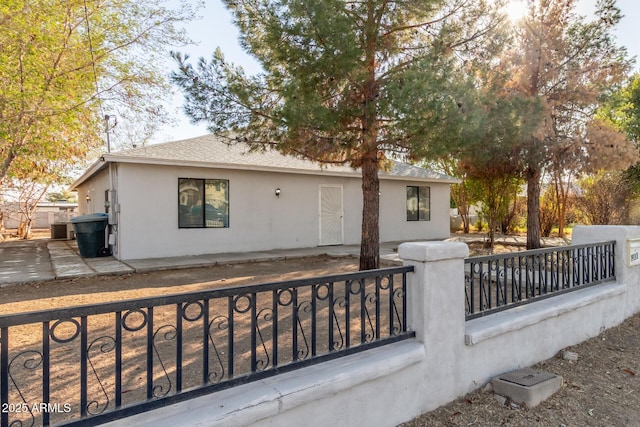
448,358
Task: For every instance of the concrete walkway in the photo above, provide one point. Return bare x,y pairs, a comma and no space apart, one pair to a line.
25,261
43,259
546,242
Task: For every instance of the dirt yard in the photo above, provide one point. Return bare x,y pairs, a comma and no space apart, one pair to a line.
92,290
601,388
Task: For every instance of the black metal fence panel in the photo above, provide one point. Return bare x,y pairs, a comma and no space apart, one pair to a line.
92,364
497,282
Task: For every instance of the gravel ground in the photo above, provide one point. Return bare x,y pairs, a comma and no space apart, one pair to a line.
601,388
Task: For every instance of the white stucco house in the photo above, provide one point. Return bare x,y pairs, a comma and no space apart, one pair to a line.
204,196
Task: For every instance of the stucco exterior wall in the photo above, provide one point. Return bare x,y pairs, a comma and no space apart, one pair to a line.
258,220
394,226
95,189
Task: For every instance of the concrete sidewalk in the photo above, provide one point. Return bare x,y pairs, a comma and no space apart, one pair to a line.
42,260
25,261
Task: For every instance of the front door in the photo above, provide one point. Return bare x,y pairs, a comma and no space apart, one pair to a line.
331,214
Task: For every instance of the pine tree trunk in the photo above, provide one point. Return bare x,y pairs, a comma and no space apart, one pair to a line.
370,239
370,242
533,209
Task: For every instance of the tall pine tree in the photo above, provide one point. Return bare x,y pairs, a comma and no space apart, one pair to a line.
347,82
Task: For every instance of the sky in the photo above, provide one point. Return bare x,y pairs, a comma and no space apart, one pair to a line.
215,29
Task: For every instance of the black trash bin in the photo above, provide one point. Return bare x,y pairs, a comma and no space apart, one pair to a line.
90,234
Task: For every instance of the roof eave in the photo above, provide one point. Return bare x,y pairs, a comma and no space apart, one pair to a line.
259,168
447,180
96,167
107,158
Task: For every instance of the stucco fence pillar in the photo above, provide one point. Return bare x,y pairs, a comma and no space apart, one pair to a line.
435,299
461,356
624,235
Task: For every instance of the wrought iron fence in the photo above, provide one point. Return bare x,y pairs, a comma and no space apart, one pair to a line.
497,282
91,364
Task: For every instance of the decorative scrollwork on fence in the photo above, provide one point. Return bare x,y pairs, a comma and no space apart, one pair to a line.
398,298
495,274
322,291
467,291
354,287
485,290
132,327
29,360
218,323
386,282
168,333
242,303
59,324
285,297
105,344
579,268
566,267
303,352
338,342
191,316
191,343
370,334
264,315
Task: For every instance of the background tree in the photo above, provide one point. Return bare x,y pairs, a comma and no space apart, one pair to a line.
567,62
601,147
347,82
605,198
622,111
462,195
491,161
548,210
560,196
63,64
62,195
29,194
27,187
622,108
495,186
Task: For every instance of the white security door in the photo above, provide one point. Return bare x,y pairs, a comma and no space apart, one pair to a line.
331,213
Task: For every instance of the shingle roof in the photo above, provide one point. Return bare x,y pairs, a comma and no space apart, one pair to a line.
215,152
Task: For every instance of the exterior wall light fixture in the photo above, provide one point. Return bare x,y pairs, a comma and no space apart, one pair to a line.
88,198
278,191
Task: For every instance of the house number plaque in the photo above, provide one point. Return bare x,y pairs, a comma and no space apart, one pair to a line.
633,246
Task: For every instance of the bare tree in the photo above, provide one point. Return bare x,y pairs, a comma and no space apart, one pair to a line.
605,198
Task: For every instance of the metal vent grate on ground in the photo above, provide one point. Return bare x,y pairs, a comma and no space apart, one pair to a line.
526,377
